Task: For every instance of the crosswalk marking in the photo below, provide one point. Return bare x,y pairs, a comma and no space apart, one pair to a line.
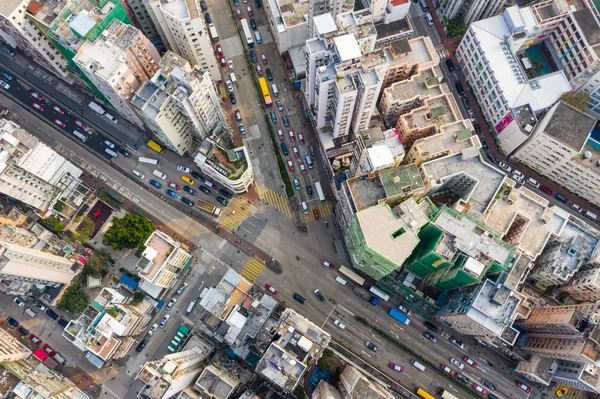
275,199
252,269
324,210
235,214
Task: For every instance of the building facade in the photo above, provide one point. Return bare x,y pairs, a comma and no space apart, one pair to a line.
469,11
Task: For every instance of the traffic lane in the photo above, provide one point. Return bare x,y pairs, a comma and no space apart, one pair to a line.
122,132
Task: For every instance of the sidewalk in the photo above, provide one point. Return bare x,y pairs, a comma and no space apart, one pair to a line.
242,244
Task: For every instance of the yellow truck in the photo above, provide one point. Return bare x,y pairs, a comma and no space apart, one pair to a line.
155,146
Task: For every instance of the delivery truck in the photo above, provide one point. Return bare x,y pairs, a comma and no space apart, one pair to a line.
205,206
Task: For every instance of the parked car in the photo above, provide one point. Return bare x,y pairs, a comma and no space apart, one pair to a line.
504,166
141,345
49,349
20,303
181,288
152,329
35,339
395,366
187,201
40,306
164,321
457,342
171,303
12,322
546,190
271,289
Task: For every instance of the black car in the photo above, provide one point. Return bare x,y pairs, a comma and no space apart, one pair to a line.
232,98
299,298
371,346
269,74
319,295
225,193
429,337
203,5
430,326
253,56
141,345
125,153
12,322
51,314
309,191
207,18
205,190
450,64
489,385
187,201
189,190
197,175
23,330
462,378
222,201
62,322
258,3
252,23
484,144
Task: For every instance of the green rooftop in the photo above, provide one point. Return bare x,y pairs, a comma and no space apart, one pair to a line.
402,179
463,134
438,111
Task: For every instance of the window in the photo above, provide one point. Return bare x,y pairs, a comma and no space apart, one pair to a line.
398,232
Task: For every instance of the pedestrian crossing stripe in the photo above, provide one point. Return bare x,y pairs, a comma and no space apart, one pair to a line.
275,200
235,213
252,269
324,210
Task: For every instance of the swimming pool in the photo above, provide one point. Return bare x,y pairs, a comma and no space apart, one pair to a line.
535,54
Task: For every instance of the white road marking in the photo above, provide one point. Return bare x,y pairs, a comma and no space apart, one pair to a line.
396,325
366,353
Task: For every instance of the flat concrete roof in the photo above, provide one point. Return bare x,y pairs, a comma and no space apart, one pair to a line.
324,24
570,126
347,47
405,178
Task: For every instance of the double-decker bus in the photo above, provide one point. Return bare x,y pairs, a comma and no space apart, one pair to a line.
247,33
265,91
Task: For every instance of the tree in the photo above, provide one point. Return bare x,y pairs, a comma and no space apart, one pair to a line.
59,206
53,223
578,100
86,228
96,264
74,298
455,28
128,232
137,297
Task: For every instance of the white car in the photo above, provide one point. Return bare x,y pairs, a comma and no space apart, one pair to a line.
505,167
457,363
163,323
152,329
518,178
230,65
229,86
183,286
171,303
404,310
471,115
109,144
183,169
19,302
339,324
4,85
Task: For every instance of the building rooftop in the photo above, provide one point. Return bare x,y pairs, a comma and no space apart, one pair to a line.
216,382
436,111
422,50
490,33
365,192
347,47
589,25
392,29
392,232
570,126
402,179
231,291
179,9
324,24
453,138
426,83
156,253
488,179
291,12
525,219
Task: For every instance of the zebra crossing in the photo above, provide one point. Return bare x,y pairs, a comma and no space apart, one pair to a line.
252,269
324,209
235,214
275,199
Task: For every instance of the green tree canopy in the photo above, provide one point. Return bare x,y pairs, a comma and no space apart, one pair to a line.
455,28
86,228
577,100
53,223
128,232
74,299
96,264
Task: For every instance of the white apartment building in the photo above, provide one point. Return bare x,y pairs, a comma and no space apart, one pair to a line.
386,11
145,21
118,63
19,31
321,7
491,56
180,105
560,148
289,23
186,33
342,84
27,265
234,181
34,173
469,11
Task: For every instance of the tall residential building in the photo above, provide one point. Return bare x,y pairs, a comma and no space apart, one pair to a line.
343,81
183,24
585,284
289,23
215,382
320,7
578,375
468,11
561,148
234,173
117,64
381,238
27,265
173,373
161,263
180,105
144,21
35,174
495,60
11,349
554,321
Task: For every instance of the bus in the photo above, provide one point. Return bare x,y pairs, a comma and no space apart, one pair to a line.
351,275
423,394
247,33
155,146
382,295
445,394
148,161
320,191
265,91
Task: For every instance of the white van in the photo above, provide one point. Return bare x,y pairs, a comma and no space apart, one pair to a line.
591,216
341,281
257,35
110,152
190,307
232,77
80,136
30,312
417,365
533,182
159,174
111,118
309,162
305,208
275,91
429,19
138,174
59,359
